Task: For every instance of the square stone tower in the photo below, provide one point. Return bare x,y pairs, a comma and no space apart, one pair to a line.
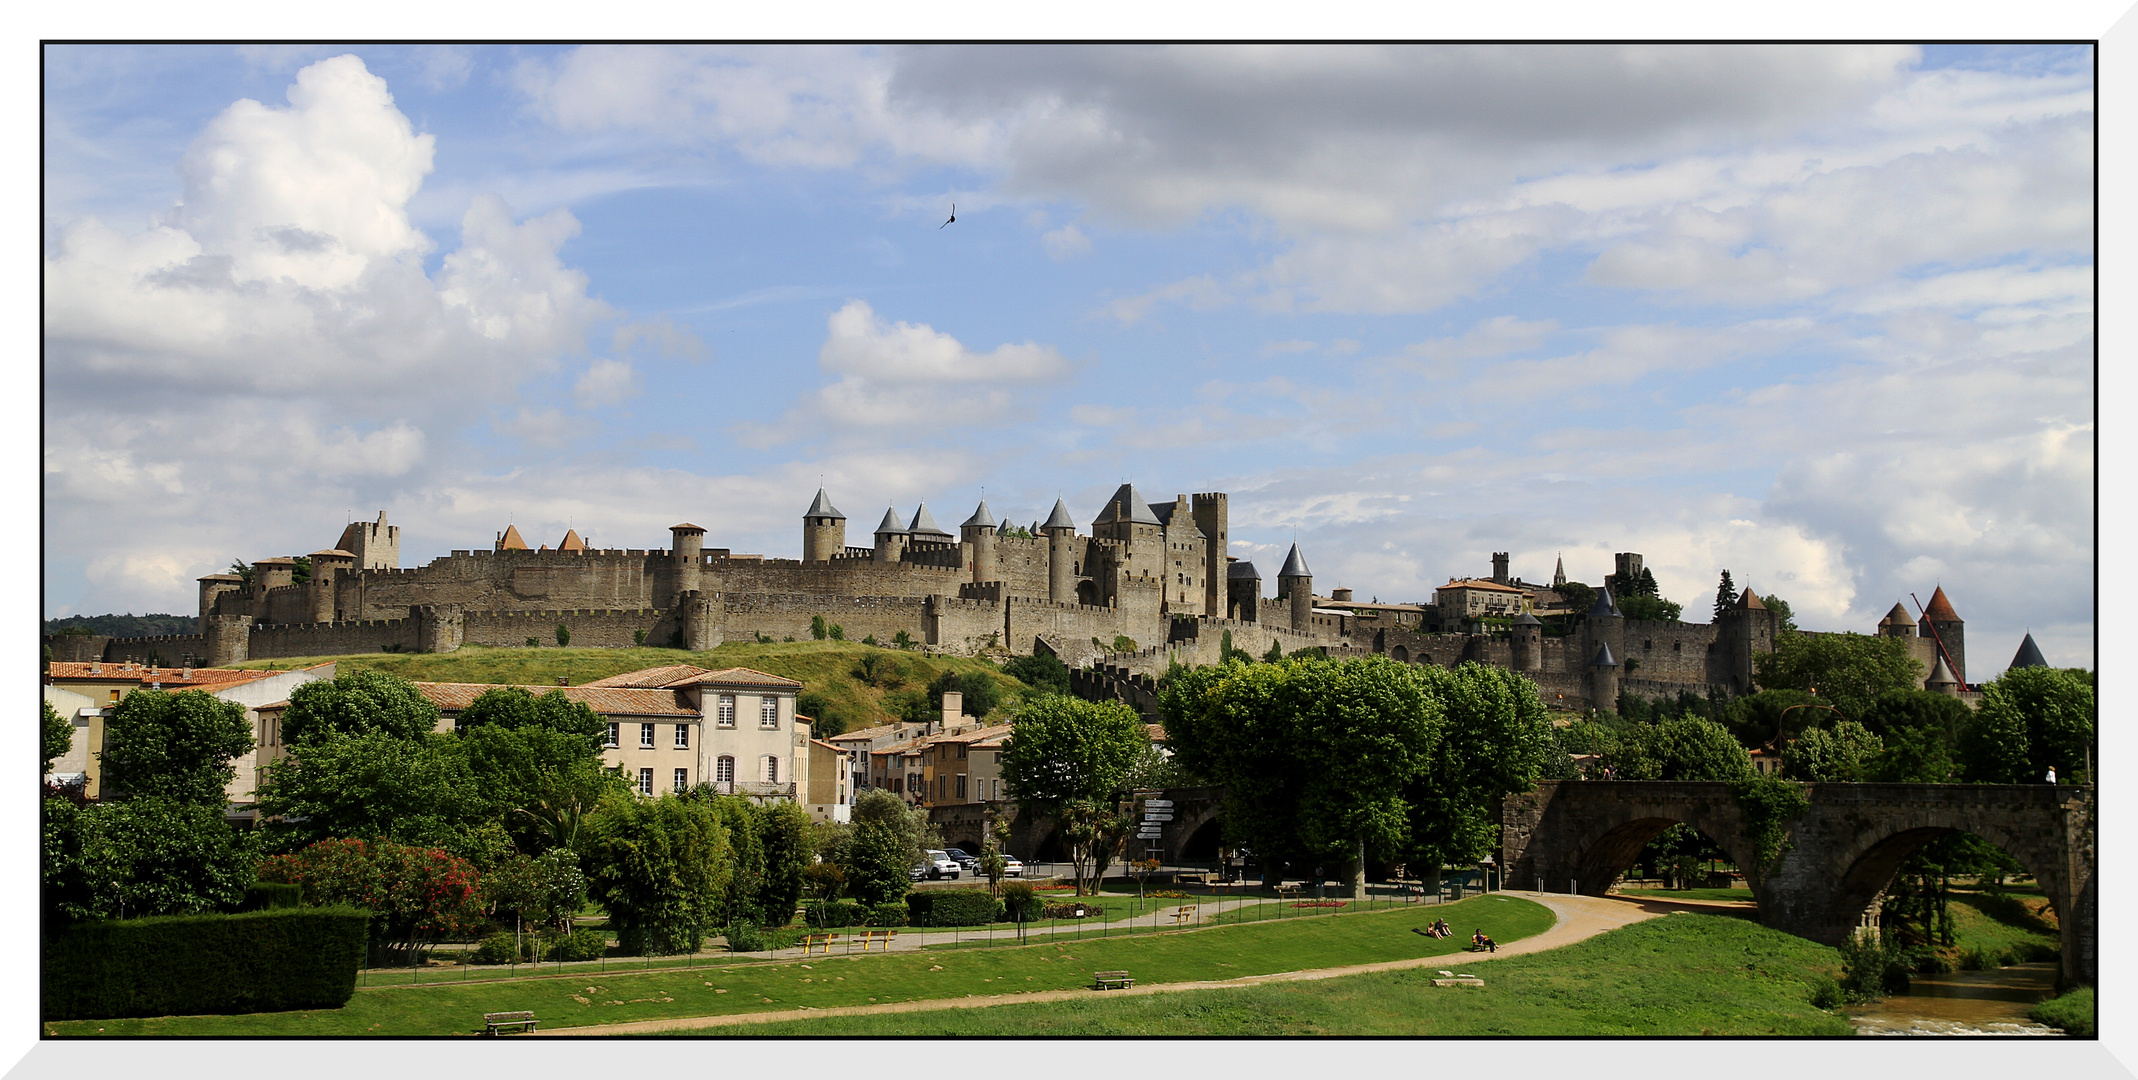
376,545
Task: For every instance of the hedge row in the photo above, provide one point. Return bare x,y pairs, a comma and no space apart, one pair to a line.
952,907
260,961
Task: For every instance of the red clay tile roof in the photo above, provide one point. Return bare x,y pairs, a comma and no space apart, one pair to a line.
1750,600
1940,609
511,540
1473,583
866,734
606,700
571,541
653,677
740,676
169,678
981,734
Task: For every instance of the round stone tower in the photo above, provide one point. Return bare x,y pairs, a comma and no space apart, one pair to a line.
978,536
1061,554
1603,679
823,530
1528,643
890,536
1943,625
213,586
1604,633
687,549
1296,582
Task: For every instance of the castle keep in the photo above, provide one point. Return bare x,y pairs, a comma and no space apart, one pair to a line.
1155,574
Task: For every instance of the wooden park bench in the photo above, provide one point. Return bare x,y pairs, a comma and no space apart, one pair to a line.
1288,892
1195,878
885,936
1110,980
496,1022
1184,916
810,941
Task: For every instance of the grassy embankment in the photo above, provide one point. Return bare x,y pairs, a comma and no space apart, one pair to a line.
827,668
2072,1012
1688,894
1993,929
586,998
1676,975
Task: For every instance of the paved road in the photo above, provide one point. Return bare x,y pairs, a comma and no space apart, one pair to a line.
1577,918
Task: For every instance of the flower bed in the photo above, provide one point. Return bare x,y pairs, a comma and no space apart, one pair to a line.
1321,903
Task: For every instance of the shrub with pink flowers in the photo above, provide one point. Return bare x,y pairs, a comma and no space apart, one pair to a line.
412,891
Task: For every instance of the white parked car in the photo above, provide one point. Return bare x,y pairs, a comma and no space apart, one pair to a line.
1011,867
938,864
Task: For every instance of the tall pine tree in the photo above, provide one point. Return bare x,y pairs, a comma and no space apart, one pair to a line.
1725,596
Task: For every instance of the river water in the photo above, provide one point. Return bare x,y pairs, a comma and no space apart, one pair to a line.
1963,1003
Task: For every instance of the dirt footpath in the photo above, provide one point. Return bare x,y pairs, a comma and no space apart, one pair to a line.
1578,918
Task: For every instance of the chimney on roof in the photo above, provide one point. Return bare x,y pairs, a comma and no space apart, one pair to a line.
96,667
186,673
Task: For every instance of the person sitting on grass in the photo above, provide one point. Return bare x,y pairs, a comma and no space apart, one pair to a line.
1440,929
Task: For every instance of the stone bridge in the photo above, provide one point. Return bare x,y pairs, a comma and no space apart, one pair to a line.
1837,856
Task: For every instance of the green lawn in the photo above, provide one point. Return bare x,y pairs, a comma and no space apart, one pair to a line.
1676,975
2073,1012
1221,952
2009,928
1690,894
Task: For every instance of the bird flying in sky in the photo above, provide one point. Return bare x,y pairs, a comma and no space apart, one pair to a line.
953,217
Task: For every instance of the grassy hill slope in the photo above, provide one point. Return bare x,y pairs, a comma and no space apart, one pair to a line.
830,669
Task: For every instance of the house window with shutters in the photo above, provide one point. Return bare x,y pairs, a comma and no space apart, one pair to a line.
771,769
682,780
645,781
724,770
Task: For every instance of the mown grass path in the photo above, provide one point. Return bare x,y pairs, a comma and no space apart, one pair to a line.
1568,918
1682,975
1212,953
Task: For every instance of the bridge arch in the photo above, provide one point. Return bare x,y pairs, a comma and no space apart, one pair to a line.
1618,847
1837,855
1864,869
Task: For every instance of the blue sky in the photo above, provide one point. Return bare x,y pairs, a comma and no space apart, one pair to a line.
1820,316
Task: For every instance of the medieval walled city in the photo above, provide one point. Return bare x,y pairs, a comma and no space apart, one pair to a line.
1148,585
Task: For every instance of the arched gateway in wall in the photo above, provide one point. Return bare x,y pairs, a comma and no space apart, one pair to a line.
1837,856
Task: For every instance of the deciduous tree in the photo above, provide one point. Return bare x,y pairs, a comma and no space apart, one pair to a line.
142,856
1843,752
1850,671
356,702
58,737
176,746
1683,748
659,867
512,708
1314,756
2031,720
1070,760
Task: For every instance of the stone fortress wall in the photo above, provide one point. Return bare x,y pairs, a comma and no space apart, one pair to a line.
1155,573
